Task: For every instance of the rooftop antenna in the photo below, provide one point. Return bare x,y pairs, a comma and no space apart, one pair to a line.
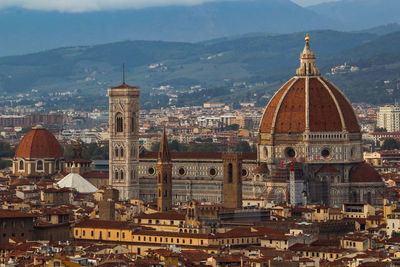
123,73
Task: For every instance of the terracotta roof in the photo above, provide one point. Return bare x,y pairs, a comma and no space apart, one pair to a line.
347,110
125,86
168,215
286,111
172,234
328,169
39,143
262,168
96,174
249,231
94,223
14,214
270,110
364,173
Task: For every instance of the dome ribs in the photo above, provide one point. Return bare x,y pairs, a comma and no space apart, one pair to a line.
291,113
349,116
324,116
269,113
38,143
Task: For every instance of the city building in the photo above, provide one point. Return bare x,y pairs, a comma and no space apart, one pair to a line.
388,117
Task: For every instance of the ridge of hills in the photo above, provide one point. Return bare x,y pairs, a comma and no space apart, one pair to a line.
216,64
27,31
30,30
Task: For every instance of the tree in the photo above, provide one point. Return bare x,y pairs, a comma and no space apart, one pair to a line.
232,127
390,144
93,151
5,163
155,146
242,146
6,150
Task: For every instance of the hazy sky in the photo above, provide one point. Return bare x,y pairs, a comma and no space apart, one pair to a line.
95,5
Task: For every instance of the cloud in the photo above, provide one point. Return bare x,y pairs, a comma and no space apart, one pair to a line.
92,5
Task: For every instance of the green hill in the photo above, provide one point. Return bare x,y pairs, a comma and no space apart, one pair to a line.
215,64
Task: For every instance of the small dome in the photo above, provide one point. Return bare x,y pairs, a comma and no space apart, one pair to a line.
39,143
364,173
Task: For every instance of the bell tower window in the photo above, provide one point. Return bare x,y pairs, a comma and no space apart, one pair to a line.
119,127
230,173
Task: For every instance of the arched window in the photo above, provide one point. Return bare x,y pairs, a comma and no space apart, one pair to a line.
122,175
230,173
39,165
116,152
122,152
119,123
21,164
57,165
309,68
116,175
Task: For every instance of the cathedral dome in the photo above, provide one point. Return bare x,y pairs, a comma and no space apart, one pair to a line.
38,143
308,102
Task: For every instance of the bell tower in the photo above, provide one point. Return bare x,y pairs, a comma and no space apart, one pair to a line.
164,176
124,140
232,186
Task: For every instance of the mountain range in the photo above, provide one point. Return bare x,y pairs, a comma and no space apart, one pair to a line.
252,58
25,31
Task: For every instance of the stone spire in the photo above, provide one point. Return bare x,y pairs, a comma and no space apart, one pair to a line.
164,153
164,176
307,61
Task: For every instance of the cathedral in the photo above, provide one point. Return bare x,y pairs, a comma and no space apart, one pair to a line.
309,150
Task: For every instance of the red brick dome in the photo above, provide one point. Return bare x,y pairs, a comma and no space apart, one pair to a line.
364,173
39,143
327,108
308,101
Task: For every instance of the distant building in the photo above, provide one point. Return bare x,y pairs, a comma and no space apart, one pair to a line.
30,120
388,117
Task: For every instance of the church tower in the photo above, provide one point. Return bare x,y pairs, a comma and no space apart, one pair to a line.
164,176
124,140
232,181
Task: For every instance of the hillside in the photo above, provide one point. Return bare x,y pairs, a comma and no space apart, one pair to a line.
91,68
215,64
